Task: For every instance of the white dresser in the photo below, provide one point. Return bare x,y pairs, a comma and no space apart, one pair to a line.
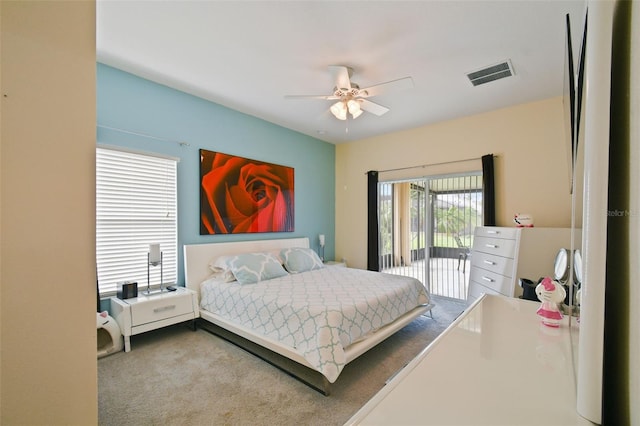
495,365
502,255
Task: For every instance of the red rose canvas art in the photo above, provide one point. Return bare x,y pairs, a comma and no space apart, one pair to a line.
240,195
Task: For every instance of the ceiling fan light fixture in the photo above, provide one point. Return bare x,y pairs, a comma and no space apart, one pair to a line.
339,110
354,106
351,98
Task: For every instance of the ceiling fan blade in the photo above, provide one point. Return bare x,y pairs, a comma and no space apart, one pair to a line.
372,107
341,76
395,85
325,97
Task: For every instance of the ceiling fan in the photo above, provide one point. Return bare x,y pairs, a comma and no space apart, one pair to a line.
351,98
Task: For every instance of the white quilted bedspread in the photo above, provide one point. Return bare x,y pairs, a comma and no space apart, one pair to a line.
318,313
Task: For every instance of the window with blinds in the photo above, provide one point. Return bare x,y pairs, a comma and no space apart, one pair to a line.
136,205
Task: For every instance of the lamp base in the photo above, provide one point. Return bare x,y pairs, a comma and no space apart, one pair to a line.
156,291
148,291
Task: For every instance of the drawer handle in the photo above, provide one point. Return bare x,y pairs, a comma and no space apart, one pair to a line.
491,245
488,262
487,279
493,232
164,309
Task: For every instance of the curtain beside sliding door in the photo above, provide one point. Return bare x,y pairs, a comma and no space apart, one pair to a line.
373,262
488,191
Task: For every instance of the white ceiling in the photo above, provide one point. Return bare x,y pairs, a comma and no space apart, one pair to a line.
248,55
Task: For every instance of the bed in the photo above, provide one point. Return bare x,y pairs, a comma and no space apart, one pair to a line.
279,318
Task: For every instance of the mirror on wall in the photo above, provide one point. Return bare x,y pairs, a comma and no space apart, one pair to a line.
589,202
568,263
573,98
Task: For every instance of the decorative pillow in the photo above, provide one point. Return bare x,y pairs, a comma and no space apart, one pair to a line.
220,269
300,259
251,268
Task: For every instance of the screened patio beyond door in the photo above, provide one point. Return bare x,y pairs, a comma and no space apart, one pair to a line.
426,230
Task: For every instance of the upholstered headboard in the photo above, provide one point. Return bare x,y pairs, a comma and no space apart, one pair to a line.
197,257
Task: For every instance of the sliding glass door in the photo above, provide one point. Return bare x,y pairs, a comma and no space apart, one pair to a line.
426,229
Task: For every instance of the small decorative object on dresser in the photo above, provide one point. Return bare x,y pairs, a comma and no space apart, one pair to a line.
551,294
523,220
146,313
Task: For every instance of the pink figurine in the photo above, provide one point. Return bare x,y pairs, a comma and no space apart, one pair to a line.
550,293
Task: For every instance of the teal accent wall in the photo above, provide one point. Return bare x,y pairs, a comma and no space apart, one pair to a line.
131,103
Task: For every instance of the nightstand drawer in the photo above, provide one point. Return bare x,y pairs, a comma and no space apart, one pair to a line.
159,307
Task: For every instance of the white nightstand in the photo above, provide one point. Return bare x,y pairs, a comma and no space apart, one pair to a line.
335,263
146,313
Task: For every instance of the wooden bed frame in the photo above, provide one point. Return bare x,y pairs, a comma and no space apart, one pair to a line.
197,258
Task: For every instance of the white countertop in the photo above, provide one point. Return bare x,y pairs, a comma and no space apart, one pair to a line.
496,364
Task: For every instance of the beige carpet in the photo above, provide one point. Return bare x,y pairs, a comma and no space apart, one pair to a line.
175,376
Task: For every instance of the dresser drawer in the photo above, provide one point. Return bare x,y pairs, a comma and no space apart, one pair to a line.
495,246
496,282
490,262
161,307
497,232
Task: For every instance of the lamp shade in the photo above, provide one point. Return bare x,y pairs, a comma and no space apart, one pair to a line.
321,239
154,253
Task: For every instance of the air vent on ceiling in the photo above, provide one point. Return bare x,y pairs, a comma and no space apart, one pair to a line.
491,73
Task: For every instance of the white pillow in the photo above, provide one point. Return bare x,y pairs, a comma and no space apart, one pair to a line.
220,269
298,259
251,268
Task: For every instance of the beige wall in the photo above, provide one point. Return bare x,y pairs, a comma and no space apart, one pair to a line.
47,280
531,166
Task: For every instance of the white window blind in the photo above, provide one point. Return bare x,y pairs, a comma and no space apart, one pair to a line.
135,206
